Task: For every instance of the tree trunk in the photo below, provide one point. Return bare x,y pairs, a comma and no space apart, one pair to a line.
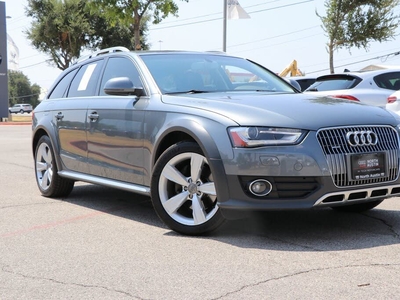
330,50
136,31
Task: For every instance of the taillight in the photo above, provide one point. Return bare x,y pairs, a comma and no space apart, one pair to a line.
391,99
347,97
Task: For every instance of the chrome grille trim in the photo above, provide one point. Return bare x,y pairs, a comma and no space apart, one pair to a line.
336,150
361,194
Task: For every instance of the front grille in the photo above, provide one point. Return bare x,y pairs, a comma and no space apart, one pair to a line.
337,151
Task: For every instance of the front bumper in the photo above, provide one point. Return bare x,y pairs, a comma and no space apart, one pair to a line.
326,194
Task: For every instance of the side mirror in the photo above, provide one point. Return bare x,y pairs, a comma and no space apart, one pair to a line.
122,86
293,83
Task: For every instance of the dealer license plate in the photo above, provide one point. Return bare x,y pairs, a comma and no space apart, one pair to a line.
368,166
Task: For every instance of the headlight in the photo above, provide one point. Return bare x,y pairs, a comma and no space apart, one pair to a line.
245,137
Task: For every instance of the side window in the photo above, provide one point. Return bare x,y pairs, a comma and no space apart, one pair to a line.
389,81
85,82
120,67
60,90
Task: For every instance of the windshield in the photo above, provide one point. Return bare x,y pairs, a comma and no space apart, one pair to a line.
198,73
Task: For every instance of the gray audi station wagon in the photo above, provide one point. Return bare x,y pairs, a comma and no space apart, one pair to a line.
210,137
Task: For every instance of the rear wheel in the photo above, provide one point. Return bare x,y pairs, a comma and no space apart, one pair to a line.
49,182
359,207
183,191
21,111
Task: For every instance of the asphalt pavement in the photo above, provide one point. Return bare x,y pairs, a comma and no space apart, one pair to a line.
101,243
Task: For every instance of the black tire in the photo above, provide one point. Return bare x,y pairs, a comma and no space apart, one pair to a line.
21,111
359,207
49,182
186,206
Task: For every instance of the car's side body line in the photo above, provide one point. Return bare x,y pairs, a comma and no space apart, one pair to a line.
144,190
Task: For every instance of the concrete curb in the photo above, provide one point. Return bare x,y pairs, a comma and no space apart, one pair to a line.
15,123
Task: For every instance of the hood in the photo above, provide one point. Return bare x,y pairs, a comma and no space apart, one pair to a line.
301,111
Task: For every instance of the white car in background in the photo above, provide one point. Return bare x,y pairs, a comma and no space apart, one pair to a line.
393,102
20,108
367,87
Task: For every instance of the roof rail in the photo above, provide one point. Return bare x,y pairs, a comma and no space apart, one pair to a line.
110,50
102,52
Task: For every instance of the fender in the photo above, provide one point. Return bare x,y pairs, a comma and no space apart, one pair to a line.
45,125
194,128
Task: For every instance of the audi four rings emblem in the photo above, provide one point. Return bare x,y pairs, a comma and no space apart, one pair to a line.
361,138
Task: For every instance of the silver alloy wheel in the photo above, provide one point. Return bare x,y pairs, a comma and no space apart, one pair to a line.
44,166
192,188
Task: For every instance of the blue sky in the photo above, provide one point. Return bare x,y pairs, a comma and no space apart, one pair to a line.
277,32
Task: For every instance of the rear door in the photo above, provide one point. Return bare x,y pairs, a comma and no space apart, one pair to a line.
115,128
69,114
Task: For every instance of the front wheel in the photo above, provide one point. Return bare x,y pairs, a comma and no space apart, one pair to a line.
49,182
359,207
183,191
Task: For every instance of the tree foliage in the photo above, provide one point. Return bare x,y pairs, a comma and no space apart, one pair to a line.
60,28
64,28
115,33
356,23
20,89
132,13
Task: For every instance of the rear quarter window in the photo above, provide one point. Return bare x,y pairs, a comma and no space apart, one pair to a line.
390,81
61,88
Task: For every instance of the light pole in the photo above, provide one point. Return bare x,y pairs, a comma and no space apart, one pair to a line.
3,63
232,10
225,18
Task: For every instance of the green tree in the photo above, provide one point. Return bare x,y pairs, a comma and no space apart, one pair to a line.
20,89
356,23
60,28
132,13
110,33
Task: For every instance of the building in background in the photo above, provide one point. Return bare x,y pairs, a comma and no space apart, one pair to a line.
13,54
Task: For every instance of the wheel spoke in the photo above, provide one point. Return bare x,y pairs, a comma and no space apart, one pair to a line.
43,152
208,188
196,165
50,174
40,166
174,203
199,215
171,173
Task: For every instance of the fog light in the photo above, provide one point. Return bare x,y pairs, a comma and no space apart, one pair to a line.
260,187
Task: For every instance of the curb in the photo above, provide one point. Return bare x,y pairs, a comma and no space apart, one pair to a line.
15,123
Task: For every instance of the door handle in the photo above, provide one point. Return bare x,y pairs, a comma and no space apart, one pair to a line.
59,116
93,116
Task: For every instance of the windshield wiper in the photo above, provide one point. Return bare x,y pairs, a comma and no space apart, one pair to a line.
189,92
312,90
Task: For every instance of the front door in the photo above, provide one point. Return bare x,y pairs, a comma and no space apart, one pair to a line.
115,128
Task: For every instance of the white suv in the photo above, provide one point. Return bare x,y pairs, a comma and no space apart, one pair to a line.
20,108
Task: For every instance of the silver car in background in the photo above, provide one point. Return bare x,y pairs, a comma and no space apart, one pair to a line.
210,137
